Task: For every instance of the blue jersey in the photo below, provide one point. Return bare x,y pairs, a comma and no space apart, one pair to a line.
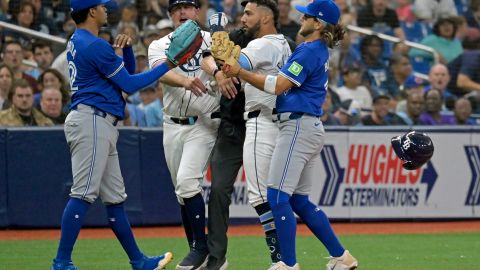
307,69
91,62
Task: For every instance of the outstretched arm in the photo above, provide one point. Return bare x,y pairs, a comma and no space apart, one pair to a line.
271,84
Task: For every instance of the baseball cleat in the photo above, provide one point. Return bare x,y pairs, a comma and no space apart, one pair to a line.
153,263
282,266
63,265
195,260
344,262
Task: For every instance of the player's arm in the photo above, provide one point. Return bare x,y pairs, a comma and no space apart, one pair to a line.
275,85
132,83
193,84
226,85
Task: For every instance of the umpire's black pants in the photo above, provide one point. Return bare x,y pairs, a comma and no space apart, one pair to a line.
225,163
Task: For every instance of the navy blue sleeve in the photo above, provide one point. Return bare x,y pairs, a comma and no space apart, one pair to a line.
129,59
132,83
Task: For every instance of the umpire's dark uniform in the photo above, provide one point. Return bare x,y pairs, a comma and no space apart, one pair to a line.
227,158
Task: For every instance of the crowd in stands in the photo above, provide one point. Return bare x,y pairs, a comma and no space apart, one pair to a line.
372,81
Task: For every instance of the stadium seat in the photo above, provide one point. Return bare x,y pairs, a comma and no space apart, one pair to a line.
415,31
421,64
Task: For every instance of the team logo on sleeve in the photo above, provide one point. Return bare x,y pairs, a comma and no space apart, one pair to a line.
295,68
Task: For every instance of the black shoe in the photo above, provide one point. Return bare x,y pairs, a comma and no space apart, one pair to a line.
217,264
195,260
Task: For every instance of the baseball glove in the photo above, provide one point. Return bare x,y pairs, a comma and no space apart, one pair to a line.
226,53
185,42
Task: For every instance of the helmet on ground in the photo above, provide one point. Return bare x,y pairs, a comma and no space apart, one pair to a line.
414,148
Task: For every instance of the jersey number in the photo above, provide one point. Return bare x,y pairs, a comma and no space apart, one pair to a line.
72,70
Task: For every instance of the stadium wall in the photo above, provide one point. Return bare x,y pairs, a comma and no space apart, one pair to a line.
359,178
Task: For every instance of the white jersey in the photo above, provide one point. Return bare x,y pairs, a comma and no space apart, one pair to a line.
267,55
177,101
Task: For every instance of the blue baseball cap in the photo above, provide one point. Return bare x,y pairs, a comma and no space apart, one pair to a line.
76,5
325,10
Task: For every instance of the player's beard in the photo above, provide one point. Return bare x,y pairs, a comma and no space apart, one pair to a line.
252,31
306,32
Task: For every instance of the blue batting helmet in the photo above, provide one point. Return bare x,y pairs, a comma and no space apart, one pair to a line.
414,148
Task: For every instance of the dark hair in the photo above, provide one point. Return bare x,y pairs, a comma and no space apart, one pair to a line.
63,88
41,44
2,66
396,58
436,26
22,5
80,16
332,34
9,42
270,4
18,83
367,41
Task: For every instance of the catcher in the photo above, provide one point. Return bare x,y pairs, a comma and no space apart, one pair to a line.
97,78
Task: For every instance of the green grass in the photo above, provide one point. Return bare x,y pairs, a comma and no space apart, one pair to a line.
375,252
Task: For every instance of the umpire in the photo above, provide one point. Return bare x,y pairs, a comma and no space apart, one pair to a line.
226,160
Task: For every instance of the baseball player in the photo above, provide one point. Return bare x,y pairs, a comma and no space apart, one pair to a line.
266,54
190,128
97,78
301,88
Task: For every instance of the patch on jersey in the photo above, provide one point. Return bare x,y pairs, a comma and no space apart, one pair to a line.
295,68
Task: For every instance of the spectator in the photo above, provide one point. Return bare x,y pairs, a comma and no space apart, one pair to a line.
13,58
433,10
462,112
288,27
413,84
400,70
415,107
345,54
44,21
328,119
153,106
43,55
404,11
439,78
433,108
158,7
52,78
353,89
150,33
467,65
347,113
442,40
347,15
131,30
164,27
129,16
106,34
6,82
22,112
473,14
376,72
379,111
51,105
23,16
378,17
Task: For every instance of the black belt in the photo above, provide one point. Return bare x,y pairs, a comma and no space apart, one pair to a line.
254,114
82,107
190,120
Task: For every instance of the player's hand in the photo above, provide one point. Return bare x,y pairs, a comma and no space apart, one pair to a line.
122,41
195,85
226,85
231,67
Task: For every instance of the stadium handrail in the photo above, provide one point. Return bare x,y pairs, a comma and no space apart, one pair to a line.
33,33
364,31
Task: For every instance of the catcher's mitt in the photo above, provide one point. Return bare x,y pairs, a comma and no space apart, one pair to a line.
185,42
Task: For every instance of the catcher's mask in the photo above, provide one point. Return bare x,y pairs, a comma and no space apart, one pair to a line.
414,148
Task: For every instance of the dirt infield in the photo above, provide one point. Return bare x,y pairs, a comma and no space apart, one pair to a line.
340,228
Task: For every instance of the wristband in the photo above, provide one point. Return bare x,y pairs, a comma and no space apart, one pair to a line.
270,84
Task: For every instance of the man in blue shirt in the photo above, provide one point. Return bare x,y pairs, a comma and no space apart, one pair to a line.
301,87
97,78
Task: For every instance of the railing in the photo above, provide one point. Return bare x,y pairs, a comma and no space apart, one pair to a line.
33,33
436,56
